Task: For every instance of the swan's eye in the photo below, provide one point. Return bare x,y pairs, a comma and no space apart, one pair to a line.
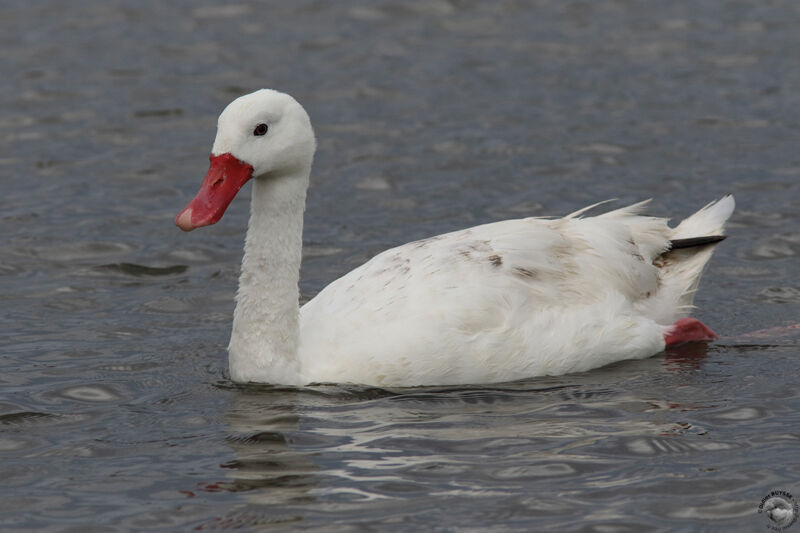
261,129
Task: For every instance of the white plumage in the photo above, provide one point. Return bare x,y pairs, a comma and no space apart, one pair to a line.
496,302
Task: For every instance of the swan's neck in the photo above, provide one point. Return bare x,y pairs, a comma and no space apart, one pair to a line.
265,336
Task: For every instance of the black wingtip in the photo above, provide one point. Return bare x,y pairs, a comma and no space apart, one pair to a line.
696,241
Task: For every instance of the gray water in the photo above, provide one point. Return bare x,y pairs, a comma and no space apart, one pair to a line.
116,413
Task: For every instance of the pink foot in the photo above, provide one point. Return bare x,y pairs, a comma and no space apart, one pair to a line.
688,330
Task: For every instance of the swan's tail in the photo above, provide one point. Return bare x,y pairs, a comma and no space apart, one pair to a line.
693,242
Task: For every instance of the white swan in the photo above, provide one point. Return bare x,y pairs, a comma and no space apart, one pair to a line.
492,303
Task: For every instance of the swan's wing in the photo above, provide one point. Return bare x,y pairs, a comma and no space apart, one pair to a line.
445,306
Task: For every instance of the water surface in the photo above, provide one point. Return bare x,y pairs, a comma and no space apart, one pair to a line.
115,410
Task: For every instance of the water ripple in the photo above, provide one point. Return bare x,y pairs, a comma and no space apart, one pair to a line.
132,269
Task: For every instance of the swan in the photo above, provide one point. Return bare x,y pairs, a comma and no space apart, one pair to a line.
492,303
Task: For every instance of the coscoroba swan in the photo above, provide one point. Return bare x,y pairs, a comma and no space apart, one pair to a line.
497,302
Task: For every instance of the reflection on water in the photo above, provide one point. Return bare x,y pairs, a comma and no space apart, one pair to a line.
262,420
312,456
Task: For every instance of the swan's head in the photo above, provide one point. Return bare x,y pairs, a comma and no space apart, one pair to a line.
261,135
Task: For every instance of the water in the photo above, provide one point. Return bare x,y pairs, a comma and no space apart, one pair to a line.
115,410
